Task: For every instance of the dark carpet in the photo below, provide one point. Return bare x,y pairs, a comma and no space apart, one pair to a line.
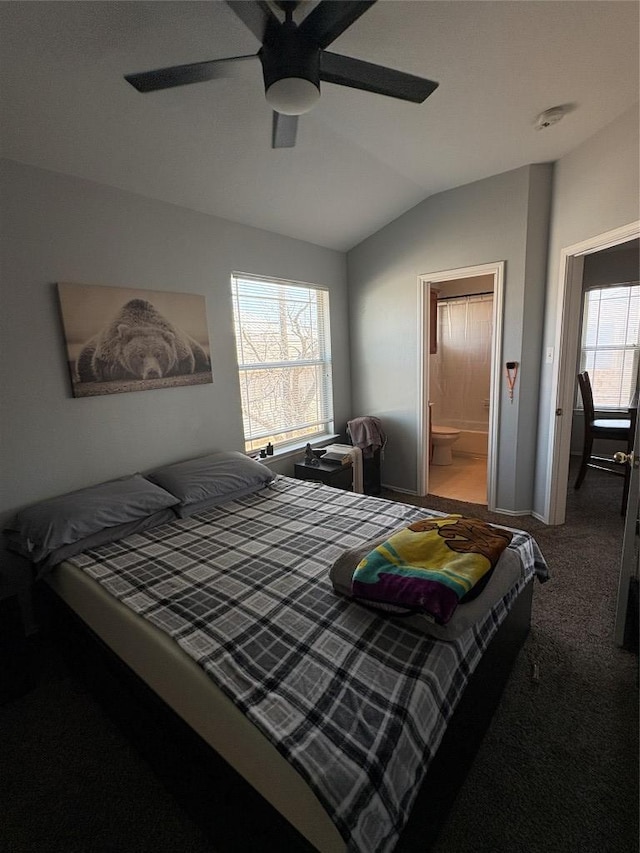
557,771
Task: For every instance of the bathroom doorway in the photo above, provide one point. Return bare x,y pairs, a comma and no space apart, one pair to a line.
459,356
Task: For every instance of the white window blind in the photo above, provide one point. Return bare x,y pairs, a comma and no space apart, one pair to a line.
284,360
610,343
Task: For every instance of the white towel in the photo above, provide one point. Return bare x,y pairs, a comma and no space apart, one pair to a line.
356,463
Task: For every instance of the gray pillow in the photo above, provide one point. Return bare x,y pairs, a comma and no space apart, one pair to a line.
185,510
211,480
106,536
41,529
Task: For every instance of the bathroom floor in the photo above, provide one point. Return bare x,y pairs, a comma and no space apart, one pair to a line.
465,479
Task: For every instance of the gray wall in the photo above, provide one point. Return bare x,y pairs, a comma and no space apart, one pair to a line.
503,218
596,189
59,228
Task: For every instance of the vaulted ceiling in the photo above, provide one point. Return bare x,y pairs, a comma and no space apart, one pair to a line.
361,159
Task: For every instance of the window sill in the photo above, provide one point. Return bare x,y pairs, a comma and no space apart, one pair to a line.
292,450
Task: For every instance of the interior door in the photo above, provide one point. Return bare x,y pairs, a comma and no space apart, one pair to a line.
629,564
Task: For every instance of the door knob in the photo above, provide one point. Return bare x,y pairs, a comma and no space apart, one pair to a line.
626,458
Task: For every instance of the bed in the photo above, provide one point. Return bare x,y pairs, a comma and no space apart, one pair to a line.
338,715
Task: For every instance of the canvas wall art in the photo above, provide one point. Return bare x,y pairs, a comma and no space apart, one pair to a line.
119,339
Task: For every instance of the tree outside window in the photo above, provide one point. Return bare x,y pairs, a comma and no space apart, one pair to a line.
611,343
284,360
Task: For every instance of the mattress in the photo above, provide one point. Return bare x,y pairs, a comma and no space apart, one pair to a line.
187,689
270,553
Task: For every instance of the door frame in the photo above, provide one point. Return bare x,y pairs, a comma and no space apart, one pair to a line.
629,561
425,281
566,343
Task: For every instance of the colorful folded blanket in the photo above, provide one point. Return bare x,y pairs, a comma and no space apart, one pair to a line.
432,565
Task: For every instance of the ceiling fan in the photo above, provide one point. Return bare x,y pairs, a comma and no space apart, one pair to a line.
294,61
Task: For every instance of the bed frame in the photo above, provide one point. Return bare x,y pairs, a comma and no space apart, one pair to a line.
216,796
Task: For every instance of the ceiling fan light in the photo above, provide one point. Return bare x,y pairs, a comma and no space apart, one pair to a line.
292,96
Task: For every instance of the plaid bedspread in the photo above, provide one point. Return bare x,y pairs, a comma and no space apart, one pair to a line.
357,704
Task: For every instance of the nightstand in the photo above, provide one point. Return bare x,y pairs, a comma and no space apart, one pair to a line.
338,476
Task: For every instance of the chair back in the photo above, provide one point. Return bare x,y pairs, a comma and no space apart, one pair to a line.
584,384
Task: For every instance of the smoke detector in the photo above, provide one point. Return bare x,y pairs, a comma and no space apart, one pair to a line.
549,117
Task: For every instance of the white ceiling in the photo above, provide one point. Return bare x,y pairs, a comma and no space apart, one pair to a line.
361,159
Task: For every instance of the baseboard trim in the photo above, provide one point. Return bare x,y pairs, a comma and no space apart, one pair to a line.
513,512
399,490
539,517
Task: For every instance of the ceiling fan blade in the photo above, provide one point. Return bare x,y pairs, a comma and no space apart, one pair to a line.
254,14
357,74
182,75
284,131
330,18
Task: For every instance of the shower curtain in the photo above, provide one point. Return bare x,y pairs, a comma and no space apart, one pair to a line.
460,371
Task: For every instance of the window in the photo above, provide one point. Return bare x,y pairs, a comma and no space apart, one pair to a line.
284,360
610,343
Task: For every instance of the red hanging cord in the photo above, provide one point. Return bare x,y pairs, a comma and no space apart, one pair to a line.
512,374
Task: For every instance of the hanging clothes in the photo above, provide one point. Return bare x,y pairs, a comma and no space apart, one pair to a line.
367,434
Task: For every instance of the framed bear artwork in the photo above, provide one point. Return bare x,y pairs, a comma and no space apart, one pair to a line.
119,339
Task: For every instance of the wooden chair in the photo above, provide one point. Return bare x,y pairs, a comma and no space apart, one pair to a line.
619,429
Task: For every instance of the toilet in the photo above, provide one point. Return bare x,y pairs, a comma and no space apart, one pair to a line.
442,438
